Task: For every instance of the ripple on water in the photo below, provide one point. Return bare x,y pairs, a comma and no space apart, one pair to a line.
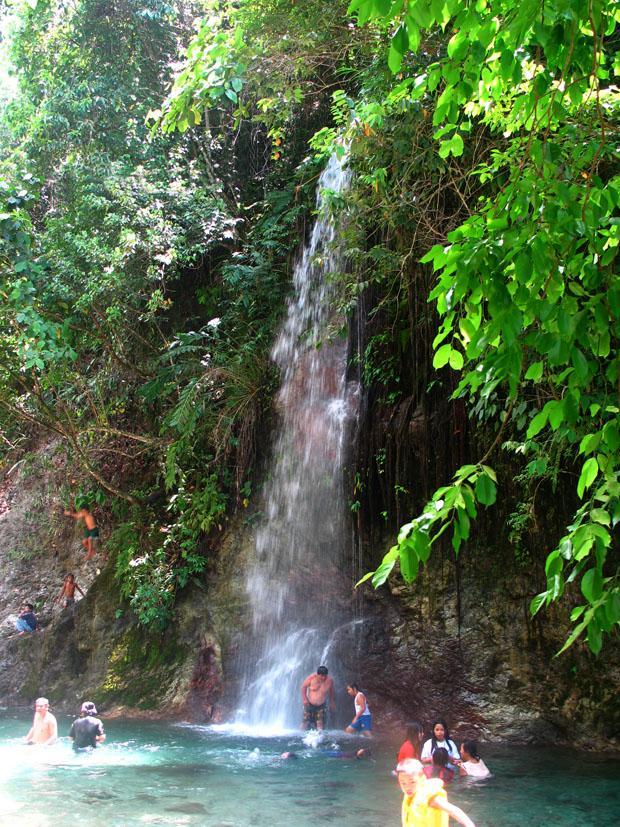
234,785
189,808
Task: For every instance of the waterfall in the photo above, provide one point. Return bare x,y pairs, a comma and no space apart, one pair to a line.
299,591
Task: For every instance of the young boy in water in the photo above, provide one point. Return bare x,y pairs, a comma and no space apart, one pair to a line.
67,591
425,803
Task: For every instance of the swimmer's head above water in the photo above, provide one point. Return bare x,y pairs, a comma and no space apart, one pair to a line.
88,708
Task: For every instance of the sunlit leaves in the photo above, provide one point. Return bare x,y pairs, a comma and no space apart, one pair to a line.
526,287
588,474
214,72
454,506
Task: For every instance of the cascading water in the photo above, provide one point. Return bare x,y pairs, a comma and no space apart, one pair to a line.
299,592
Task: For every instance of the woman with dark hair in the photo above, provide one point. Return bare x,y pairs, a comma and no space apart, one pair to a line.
441,738
440,768
472,764
412,745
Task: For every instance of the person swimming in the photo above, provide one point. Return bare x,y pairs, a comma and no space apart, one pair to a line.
358,754
440,767
412,745
332,753
440,738
472,764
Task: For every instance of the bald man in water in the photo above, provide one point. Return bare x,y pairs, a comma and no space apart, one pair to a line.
44,729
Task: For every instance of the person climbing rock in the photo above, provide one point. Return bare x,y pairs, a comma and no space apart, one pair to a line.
67,591
44,729
314,693
87,731
91,532
27,620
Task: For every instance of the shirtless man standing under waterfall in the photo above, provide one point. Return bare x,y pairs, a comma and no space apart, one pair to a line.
314,692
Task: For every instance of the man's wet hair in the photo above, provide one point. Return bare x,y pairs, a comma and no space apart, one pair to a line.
29,606
322,670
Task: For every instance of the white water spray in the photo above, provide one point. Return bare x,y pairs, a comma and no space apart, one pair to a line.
299,593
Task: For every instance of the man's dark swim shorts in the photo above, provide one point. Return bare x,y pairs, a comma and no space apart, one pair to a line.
315,715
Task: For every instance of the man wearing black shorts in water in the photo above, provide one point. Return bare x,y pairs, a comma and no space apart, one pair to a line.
87,731
314,692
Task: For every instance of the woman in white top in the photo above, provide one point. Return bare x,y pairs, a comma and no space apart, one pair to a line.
472,764
362,722
441,738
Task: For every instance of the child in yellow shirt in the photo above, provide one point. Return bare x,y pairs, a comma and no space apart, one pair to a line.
425,803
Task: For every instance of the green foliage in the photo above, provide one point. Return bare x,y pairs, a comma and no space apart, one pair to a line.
145,578
143,270
258,60
526,285
453,506
99,243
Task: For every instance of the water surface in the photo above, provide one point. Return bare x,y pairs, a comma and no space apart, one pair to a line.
150,773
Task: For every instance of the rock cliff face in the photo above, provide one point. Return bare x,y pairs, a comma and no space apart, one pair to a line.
471,654
94,650
490,672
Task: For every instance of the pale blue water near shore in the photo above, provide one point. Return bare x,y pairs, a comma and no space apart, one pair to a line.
219,777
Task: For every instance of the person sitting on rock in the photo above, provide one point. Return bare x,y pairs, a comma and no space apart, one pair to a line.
27,620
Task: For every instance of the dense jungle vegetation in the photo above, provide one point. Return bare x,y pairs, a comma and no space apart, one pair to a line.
159,162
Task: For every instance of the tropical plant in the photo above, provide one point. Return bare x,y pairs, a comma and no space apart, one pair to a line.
526,288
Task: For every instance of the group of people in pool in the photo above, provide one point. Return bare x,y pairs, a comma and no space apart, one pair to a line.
439,754
423,767
85,732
